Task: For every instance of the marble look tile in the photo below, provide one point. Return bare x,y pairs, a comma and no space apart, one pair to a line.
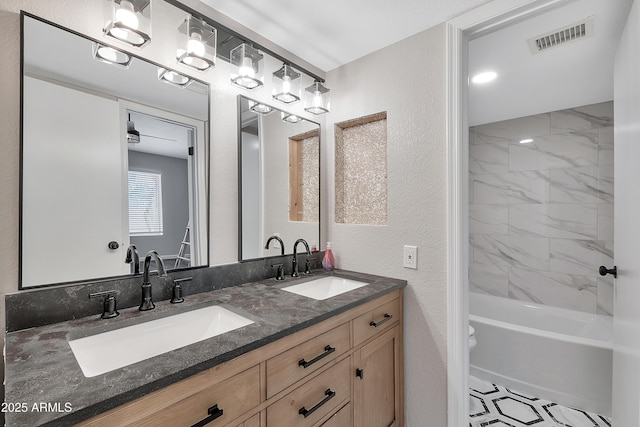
564,416
579,185
555,289
470,189
512,130
605,137
605,221
605,295
489,158
580,257
587,117
511,251
605,157
567,221
605,182
512,187
489,279
574,149
489,219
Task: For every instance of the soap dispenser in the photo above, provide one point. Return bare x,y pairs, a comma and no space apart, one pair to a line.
328,262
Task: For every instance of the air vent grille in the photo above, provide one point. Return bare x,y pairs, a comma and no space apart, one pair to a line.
561,36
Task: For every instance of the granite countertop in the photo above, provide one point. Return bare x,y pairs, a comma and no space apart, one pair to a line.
44,384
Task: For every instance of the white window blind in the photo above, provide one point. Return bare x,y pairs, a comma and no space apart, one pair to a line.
145,203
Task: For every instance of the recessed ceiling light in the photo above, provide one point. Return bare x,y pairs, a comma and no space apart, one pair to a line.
484,77
526,141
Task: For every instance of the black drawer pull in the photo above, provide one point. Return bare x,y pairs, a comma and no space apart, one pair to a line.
327,351
387,316
306,412
214,413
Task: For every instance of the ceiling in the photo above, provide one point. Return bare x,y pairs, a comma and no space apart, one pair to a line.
577,73
334,32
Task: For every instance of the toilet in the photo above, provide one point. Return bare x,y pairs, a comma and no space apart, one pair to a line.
472,338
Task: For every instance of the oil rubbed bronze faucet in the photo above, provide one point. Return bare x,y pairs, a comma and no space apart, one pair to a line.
147,301
295,273
133,258
279,241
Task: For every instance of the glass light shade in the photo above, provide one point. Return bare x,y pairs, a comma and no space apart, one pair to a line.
174,78
316,98
111,56
259,108
247,67
291,118
128,21
197,44
286,85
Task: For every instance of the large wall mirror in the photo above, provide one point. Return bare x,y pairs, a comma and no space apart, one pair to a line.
111,157
279,175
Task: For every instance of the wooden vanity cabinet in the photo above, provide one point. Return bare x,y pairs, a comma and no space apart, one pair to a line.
347,370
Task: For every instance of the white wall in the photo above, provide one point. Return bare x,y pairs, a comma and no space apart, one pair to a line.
408,81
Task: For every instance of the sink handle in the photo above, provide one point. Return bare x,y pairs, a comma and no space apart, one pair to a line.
214,413
177,297
109,309
327,351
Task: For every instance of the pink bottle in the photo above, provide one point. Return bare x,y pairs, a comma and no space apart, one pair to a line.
328,262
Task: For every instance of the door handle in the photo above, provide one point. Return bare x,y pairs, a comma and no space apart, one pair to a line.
613,271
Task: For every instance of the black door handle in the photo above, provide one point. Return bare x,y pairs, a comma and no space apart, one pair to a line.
214,413
604,271
113,245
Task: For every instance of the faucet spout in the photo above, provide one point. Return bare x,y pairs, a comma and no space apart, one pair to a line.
133,258
295,273
147,300
279,241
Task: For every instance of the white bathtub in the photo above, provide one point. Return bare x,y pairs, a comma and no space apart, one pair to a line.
555,354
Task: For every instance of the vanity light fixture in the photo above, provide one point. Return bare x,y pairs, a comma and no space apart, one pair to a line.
128,21
286,85
526,141
247,63
290,118
485,77
197,44
133,136
173,77
316,98
259,108
110,55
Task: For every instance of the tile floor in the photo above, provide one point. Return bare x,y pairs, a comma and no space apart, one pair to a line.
496,406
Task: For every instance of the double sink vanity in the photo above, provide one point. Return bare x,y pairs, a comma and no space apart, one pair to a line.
323,349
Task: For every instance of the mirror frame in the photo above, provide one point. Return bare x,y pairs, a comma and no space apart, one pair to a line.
206,154
239,130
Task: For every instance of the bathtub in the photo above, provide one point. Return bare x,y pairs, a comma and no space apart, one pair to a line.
555,354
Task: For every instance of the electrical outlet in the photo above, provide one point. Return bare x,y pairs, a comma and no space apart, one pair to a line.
410,258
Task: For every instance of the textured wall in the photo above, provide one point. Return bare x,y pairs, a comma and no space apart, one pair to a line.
408,81
541,213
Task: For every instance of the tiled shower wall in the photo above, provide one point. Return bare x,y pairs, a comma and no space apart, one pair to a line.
541,213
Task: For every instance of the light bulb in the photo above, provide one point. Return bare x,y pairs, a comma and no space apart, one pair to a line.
195,45
246,69
317,99
286,84
126,15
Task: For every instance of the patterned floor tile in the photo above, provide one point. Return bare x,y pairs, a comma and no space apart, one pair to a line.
491,405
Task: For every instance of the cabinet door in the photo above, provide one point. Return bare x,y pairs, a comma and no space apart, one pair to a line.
378,380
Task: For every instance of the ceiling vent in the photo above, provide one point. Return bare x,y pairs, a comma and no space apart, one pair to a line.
561,36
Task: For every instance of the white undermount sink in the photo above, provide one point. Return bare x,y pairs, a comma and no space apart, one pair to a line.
325,287
104,352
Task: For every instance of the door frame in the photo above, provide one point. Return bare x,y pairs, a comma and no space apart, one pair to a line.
459,31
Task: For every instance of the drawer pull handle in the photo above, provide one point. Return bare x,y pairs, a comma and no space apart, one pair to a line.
387,316
360,373
327,351
214,413
306,412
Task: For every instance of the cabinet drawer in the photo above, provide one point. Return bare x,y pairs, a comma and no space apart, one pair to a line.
376,320
233,397
341,418
320,396
296,363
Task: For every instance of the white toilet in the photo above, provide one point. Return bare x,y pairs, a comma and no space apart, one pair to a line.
472,338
